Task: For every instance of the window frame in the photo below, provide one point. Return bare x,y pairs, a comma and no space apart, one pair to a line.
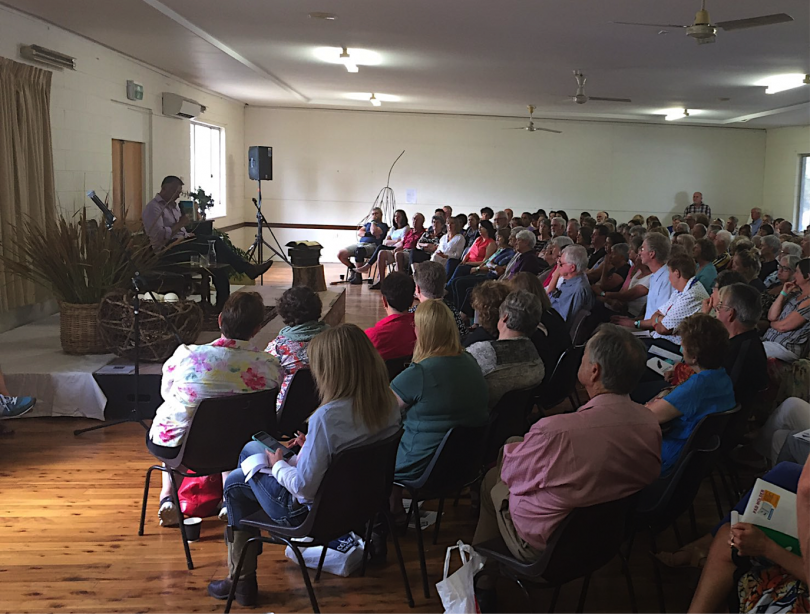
220,208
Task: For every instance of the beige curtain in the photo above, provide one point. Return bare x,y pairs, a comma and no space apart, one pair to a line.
26,164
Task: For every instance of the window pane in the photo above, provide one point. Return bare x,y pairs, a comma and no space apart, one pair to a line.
208,164
804,194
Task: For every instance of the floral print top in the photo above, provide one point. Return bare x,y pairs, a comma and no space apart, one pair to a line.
197,372
293,356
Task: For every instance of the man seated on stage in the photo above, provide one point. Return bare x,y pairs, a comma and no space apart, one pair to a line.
369,235
165,227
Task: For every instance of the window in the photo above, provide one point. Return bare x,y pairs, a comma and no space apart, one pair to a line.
804,193
208,164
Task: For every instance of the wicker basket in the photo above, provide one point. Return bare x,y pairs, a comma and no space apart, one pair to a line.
79,331
157,342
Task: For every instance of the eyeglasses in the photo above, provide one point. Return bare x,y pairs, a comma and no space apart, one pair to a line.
786,268
720,306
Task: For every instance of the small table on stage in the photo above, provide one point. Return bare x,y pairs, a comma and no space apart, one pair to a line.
205,284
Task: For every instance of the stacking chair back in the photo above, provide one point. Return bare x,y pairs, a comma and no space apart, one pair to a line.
561,383
580,327
510,419
300,402
396,366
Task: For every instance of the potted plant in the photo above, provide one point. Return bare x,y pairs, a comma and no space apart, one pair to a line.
202,201
79,261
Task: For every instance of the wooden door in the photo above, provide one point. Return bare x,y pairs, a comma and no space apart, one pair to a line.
128,181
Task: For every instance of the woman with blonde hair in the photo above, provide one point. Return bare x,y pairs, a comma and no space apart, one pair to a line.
357,408
442,388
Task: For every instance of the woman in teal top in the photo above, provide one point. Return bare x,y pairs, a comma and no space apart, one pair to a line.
442,388
705,253
704,342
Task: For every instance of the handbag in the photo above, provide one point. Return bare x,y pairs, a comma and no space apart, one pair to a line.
201,496
457,591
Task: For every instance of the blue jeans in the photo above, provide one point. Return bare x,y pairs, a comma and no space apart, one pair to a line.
263,492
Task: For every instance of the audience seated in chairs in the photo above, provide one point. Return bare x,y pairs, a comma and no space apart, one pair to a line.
595,272
393,336
471,231
392,241
704,345
229,365
428,243
511,362
573,293
300,310
357,408
401,254
551,255
551,338
705,254
481,249
723,279
465,278
615,270
486,302
451,247
525,259
686,300
769,256
443,387
430,278
631,298
607,450
745,564
369,236
746,263
789,315
792,416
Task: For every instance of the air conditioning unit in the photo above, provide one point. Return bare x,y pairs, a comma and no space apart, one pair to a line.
35,53
177,106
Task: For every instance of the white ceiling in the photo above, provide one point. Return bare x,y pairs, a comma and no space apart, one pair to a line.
464,56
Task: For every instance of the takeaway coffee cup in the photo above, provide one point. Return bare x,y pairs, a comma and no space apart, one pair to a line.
193,528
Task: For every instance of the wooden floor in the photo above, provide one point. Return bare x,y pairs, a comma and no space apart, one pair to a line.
70,509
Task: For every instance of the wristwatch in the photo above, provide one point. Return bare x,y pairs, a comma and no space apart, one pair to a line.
637,323
602,293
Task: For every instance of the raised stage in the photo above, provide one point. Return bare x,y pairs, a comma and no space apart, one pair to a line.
99,386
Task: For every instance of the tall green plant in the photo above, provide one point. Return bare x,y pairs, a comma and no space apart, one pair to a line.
78,260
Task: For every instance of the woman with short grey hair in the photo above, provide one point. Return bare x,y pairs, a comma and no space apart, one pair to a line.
511,362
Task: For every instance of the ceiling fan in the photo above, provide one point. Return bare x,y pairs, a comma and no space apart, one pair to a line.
581,98
530,127
703,30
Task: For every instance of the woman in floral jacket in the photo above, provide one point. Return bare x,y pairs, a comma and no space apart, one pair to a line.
228,366
300,309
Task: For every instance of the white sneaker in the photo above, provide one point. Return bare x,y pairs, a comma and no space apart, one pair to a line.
223,514
168,514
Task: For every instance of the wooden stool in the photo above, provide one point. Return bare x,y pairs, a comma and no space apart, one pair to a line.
309,276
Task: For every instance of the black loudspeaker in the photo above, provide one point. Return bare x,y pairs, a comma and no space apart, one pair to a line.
260,163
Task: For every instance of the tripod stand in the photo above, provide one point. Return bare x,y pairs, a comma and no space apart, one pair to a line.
138,287
254,252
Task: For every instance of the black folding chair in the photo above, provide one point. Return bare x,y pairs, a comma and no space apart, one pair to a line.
455,465
585,541
219,430
396,366
562,383
666,499
581,327
356,488
300,402
509,419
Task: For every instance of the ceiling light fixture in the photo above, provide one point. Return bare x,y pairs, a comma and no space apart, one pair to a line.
374,101
676,114
347,61
781,83
371,97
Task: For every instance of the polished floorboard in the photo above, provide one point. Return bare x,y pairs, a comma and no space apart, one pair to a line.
69,521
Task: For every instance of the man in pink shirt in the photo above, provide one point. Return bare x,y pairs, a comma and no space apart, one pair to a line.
608,449
394,336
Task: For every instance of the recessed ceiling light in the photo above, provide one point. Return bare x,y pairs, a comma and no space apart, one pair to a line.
349,57
374,101
780,83
367,97
324,16
677,114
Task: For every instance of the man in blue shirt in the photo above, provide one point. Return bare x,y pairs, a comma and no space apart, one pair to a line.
654,253
756,220
369,235
573,292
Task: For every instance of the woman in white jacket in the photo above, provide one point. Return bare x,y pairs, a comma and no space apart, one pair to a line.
357,408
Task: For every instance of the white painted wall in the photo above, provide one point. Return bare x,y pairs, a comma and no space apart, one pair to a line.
330,165
89,108
783,147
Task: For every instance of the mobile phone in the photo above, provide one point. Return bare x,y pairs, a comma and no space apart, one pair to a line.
272,444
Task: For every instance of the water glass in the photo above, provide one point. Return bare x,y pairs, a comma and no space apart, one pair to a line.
195,260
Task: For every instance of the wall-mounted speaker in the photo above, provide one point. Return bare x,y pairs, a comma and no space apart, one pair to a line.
260,163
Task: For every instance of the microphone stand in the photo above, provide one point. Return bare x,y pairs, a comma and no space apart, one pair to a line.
138,287
259,241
